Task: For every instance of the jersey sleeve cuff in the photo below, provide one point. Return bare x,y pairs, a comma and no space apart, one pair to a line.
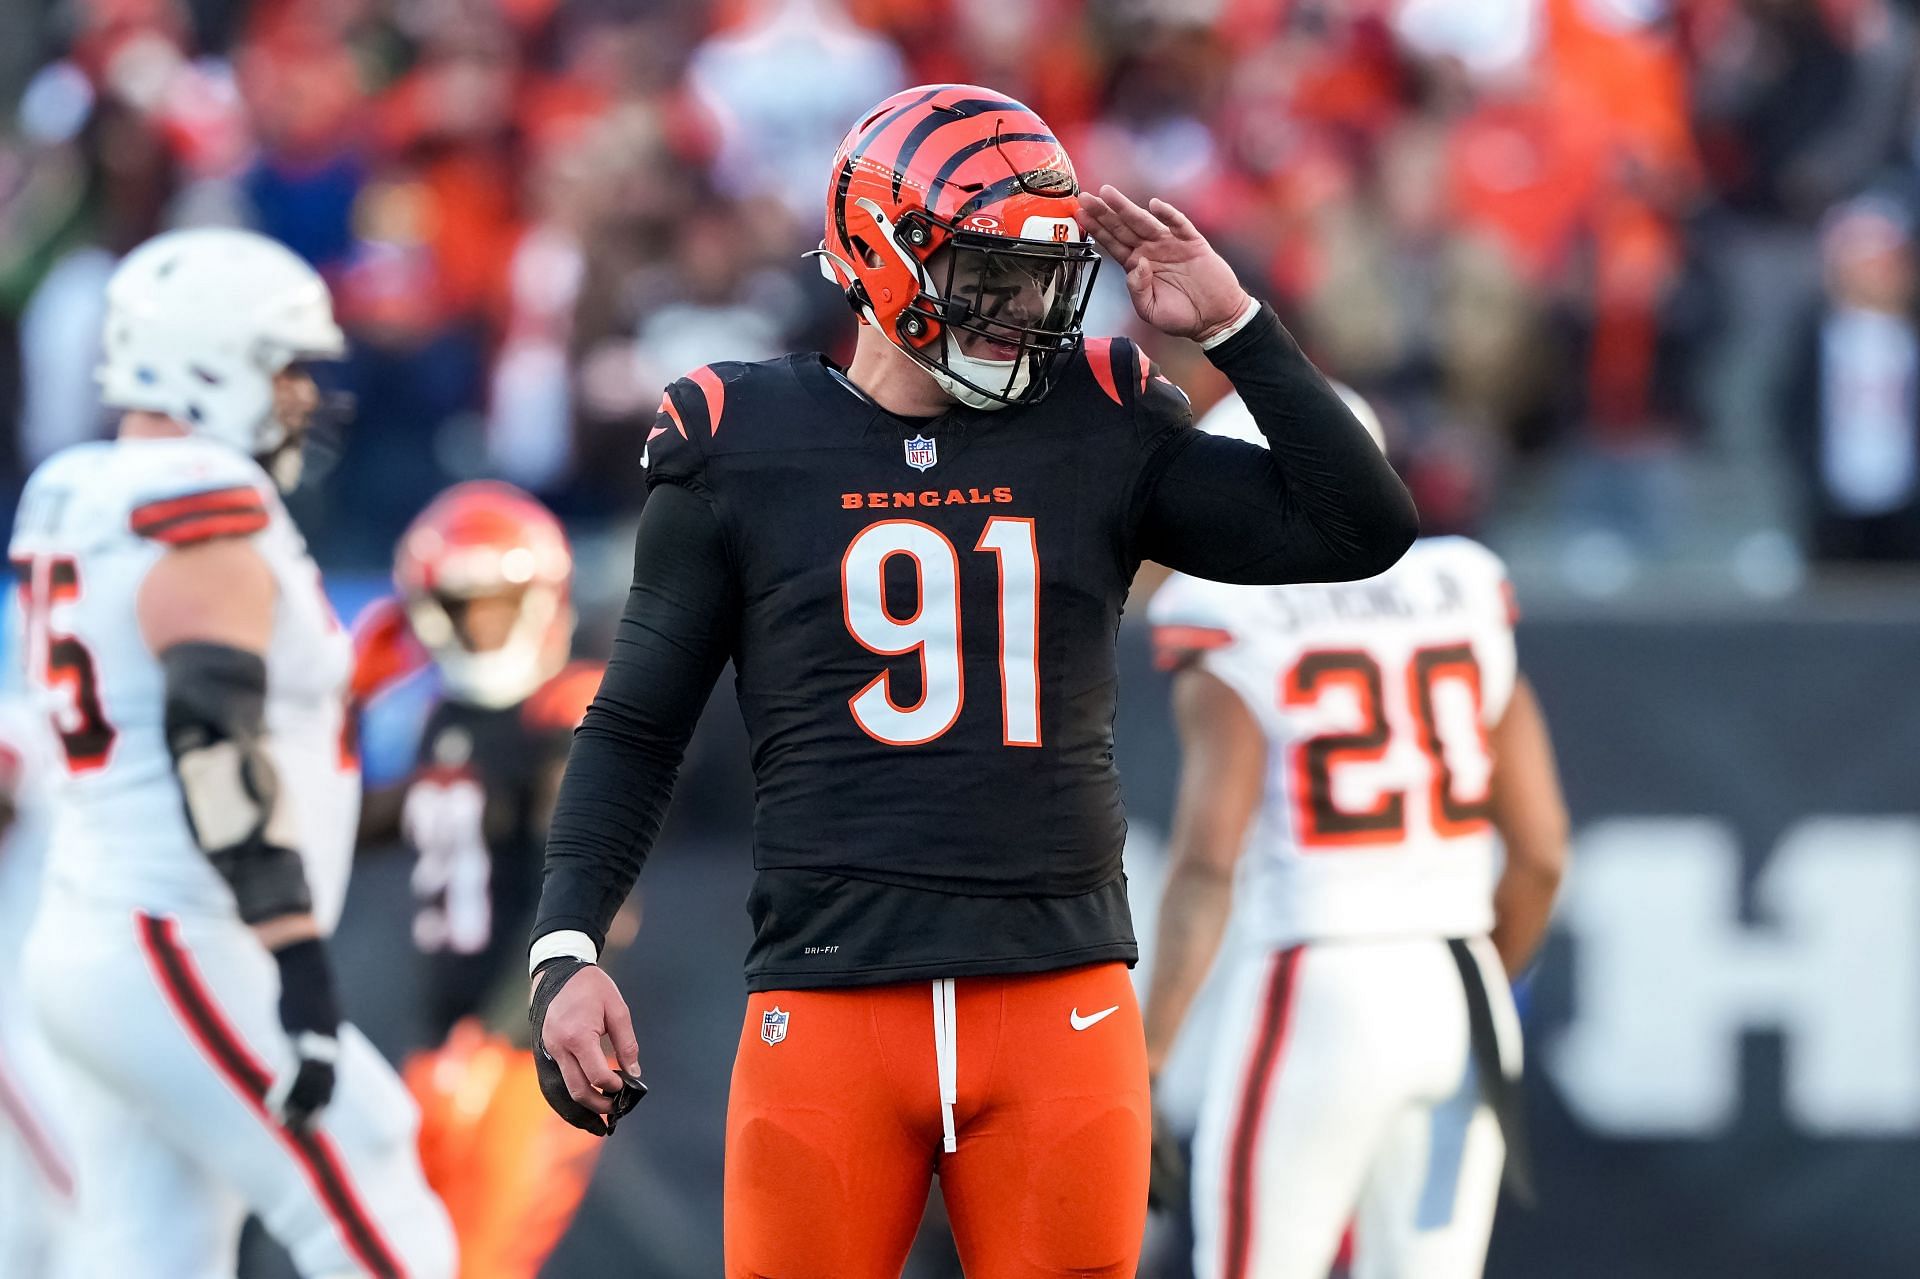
567,942
1227,334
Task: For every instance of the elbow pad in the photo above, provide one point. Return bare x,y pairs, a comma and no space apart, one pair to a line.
216,702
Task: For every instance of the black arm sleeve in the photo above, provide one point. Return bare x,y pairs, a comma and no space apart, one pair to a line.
673,640
215,723
1319,504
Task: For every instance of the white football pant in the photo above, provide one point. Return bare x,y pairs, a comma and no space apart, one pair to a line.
1342,1092
36,1161
169,1040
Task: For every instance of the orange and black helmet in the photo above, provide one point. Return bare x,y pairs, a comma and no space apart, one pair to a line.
950,226
488,540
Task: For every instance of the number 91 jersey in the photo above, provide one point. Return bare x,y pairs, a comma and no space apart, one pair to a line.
1376,698
93,521
924,660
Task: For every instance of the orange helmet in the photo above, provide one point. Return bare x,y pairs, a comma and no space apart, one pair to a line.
950,226
486,541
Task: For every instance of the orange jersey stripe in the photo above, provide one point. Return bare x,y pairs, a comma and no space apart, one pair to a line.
1173,645
668,407
1100,358
238,497
198,528
715,392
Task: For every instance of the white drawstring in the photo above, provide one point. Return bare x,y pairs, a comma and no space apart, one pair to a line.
946,1034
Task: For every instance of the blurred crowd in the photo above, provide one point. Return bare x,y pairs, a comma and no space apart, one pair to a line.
1646,263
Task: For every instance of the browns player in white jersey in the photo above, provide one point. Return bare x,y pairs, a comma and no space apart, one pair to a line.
37,1183
203,814
1371,747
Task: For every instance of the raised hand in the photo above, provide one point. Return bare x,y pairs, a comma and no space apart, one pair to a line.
1180,285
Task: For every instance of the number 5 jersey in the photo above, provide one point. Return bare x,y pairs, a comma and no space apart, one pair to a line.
93,521
1376,698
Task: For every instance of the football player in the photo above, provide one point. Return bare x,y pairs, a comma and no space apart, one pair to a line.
483,581
203,816
1372,748
916,565
36,1165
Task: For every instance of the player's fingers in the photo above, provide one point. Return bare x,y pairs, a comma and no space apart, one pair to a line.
577,1086
1108,243
592,1058
1143,225
626,1047
1177,222
1105,225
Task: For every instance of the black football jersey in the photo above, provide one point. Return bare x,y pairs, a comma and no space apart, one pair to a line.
925,657
921,618
474,815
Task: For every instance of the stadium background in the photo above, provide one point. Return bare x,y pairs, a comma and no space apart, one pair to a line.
1631,282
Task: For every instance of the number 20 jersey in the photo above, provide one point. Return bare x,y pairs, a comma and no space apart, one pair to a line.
93,521
1376,698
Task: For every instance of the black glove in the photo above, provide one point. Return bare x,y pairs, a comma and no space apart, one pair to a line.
310,1014
548,978
1167,1184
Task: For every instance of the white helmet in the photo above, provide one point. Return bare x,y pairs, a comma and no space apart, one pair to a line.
198,324
1232,418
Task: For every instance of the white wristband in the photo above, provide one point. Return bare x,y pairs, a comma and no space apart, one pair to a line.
1245,318
568,941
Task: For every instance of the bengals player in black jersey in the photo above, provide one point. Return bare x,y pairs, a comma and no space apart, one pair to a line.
916,565
483,582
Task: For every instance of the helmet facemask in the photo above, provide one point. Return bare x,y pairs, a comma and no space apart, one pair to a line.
494,661
1002,312
301,414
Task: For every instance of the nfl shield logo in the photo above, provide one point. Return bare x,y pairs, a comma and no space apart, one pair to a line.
920,453
773,1025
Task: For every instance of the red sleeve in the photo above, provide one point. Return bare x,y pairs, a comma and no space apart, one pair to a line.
384,649
225,512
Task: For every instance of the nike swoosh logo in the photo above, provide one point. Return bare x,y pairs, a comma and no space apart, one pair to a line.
1081,1023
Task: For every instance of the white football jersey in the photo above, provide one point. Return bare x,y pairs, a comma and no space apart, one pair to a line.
93,521
25,775
1376,698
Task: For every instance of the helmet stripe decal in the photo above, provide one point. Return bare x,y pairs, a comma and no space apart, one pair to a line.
945,114
715,393
974,148
868,138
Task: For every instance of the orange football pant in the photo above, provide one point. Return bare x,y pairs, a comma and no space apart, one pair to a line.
510,1171
836,1125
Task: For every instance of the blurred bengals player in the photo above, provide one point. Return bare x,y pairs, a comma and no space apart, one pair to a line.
484,579
1371,747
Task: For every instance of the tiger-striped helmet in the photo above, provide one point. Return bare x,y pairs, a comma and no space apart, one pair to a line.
950,227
